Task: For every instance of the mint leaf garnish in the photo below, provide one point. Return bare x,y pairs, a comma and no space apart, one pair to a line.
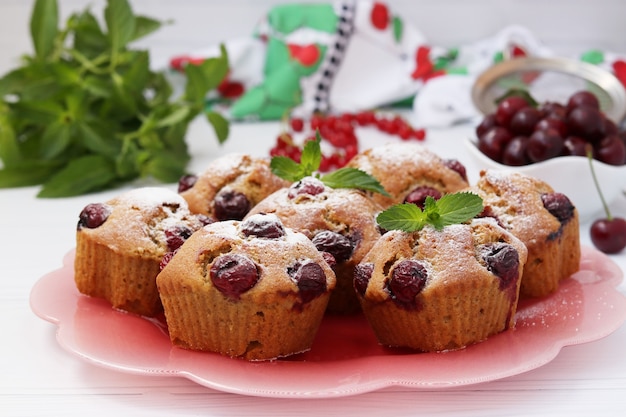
459,207
407,217
311,156
353,178
450,209
287,169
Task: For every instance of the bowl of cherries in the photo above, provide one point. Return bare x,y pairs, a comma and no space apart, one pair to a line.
550,141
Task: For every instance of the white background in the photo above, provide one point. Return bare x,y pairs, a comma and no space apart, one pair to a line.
37,377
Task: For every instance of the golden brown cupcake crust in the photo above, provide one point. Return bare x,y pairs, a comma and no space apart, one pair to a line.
515,199
400,168
238,172
461,303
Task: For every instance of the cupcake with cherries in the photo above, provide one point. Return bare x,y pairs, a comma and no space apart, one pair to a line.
340,222
440,280
333,211
230,186
410,173
120,245
253,289
545,220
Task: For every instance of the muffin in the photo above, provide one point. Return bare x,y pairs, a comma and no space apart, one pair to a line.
340,222
250,289
230,186
410,173
434,291
545,220
120,244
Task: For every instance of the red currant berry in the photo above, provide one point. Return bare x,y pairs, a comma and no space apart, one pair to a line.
297,124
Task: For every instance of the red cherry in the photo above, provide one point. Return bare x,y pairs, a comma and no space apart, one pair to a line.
507,108
611,150
582,98
493,142
609,235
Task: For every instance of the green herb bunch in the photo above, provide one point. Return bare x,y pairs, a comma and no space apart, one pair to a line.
85,112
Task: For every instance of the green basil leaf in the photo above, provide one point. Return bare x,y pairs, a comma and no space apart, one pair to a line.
65,74
120,23
128,160
9,149
97,86
82,175
39,112
216,69
145,26
161,88
26,174
220,125
95,139
174,138
35,81
121,105
196,87
55,139
165,167
76,105
89,40
44,27
137,74
206,76
12,81
151,141
176,116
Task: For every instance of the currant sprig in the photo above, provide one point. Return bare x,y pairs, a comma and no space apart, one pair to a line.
339,131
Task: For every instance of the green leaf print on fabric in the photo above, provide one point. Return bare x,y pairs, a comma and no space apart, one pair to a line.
280,91
290,17
398,27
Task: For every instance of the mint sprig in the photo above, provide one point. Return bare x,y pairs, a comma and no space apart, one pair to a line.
85,111
450,209
290,170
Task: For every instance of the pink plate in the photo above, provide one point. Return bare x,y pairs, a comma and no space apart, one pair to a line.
345,359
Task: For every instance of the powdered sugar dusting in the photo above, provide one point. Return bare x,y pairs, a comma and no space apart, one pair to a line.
396,155
151,197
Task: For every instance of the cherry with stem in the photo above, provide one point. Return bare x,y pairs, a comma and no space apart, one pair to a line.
607,234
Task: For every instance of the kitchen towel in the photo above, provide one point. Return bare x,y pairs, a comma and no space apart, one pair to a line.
355,55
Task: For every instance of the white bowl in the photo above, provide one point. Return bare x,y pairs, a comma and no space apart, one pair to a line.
569,175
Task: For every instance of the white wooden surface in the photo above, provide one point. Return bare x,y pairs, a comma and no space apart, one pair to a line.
38,378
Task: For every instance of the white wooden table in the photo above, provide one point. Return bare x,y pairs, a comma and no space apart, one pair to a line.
39,378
